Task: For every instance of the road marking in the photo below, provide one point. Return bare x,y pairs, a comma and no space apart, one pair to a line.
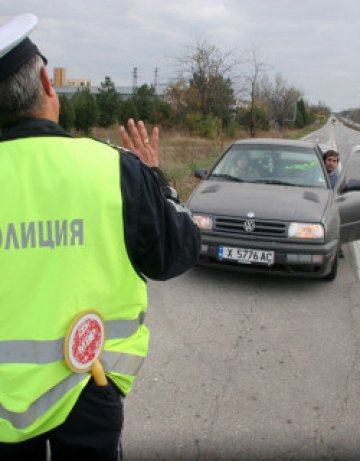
356,249
332,136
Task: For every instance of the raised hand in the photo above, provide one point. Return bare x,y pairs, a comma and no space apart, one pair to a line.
135,138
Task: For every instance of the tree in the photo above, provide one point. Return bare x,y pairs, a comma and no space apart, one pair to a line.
107,100
281,100
175,95
253,119
256,70
320,112
127,109
209,127
303,115
147,103
86,110
165,114
221,98
67,113
355,115
209,88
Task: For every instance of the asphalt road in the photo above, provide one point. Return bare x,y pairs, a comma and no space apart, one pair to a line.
250,367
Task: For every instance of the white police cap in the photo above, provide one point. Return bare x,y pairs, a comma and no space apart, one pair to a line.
15,46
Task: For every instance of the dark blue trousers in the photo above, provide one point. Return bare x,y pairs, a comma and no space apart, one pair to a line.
91,432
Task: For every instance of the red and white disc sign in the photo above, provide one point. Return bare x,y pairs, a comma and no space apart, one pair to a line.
84,341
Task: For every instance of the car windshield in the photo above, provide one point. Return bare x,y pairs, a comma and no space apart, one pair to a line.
282,165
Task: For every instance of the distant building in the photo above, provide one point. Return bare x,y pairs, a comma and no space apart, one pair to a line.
68,87
242,104
79,82
60,80
59,76
69,91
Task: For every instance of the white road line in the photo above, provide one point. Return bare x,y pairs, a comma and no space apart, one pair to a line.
333,142
356,250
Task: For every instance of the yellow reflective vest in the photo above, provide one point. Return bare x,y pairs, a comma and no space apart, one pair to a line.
62,252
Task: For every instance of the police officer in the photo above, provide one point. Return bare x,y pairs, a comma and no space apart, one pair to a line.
82,225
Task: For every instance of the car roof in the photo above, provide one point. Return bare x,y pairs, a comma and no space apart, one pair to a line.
276,142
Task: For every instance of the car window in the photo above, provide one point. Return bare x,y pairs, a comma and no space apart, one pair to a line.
271,164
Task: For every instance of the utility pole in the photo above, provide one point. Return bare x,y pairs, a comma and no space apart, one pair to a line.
156,79
134,79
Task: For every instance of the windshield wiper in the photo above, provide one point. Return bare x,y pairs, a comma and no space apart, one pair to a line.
228,177
277,181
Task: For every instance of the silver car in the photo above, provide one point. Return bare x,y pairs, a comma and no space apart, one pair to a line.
267,206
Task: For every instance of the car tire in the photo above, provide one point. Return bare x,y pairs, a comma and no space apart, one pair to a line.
333,273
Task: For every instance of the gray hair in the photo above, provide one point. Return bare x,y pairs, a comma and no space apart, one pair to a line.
21,94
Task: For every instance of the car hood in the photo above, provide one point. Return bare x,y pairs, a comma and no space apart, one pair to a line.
266,201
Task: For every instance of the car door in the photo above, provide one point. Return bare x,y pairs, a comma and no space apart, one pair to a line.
348,198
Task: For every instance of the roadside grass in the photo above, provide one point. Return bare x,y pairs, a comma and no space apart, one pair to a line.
180,153
353,126
300,133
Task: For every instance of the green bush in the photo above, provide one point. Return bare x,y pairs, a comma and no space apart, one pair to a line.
193,121
232,129
210,127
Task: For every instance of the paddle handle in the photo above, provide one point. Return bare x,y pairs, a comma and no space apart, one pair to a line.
98,373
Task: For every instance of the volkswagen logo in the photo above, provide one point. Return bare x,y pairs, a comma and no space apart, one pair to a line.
249,225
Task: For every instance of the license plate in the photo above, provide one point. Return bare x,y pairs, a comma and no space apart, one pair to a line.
247,255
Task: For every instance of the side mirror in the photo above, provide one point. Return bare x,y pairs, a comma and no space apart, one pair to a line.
200,173
351,185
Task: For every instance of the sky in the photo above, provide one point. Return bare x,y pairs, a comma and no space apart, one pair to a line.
313,44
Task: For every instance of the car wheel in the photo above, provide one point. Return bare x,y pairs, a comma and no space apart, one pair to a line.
333,273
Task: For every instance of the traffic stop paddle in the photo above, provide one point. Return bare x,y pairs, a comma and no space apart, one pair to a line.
83,345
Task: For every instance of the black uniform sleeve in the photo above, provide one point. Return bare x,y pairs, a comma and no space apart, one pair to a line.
161,238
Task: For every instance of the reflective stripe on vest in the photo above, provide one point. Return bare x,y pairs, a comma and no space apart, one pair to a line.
119,362
41,352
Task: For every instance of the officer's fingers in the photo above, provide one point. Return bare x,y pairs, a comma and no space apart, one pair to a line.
155,138
142,132
134,134
127,143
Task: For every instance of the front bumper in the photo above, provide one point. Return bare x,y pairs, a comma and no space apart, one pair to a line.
300,259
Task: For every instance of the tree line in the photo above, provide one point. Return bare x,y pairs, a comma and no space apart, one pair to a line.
209,97
351,114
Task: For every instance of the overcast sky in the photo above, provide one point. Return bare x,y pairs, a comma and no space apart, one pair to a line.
314,44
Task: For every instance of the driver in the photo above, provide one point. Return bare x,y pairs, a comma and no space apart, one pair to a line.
242,167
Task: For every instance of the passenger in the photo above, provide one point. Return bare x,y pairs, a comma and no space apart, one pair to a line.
331,160
125,224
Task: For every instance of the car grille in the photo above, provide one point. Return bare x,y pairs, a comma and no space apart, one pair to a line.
261,228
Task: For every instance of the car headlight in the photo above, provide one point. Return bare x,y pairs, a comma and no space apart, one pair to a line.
305,230
203,222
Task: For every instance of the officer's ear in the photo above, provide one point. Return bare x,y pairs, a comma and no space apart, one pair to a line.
45,80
